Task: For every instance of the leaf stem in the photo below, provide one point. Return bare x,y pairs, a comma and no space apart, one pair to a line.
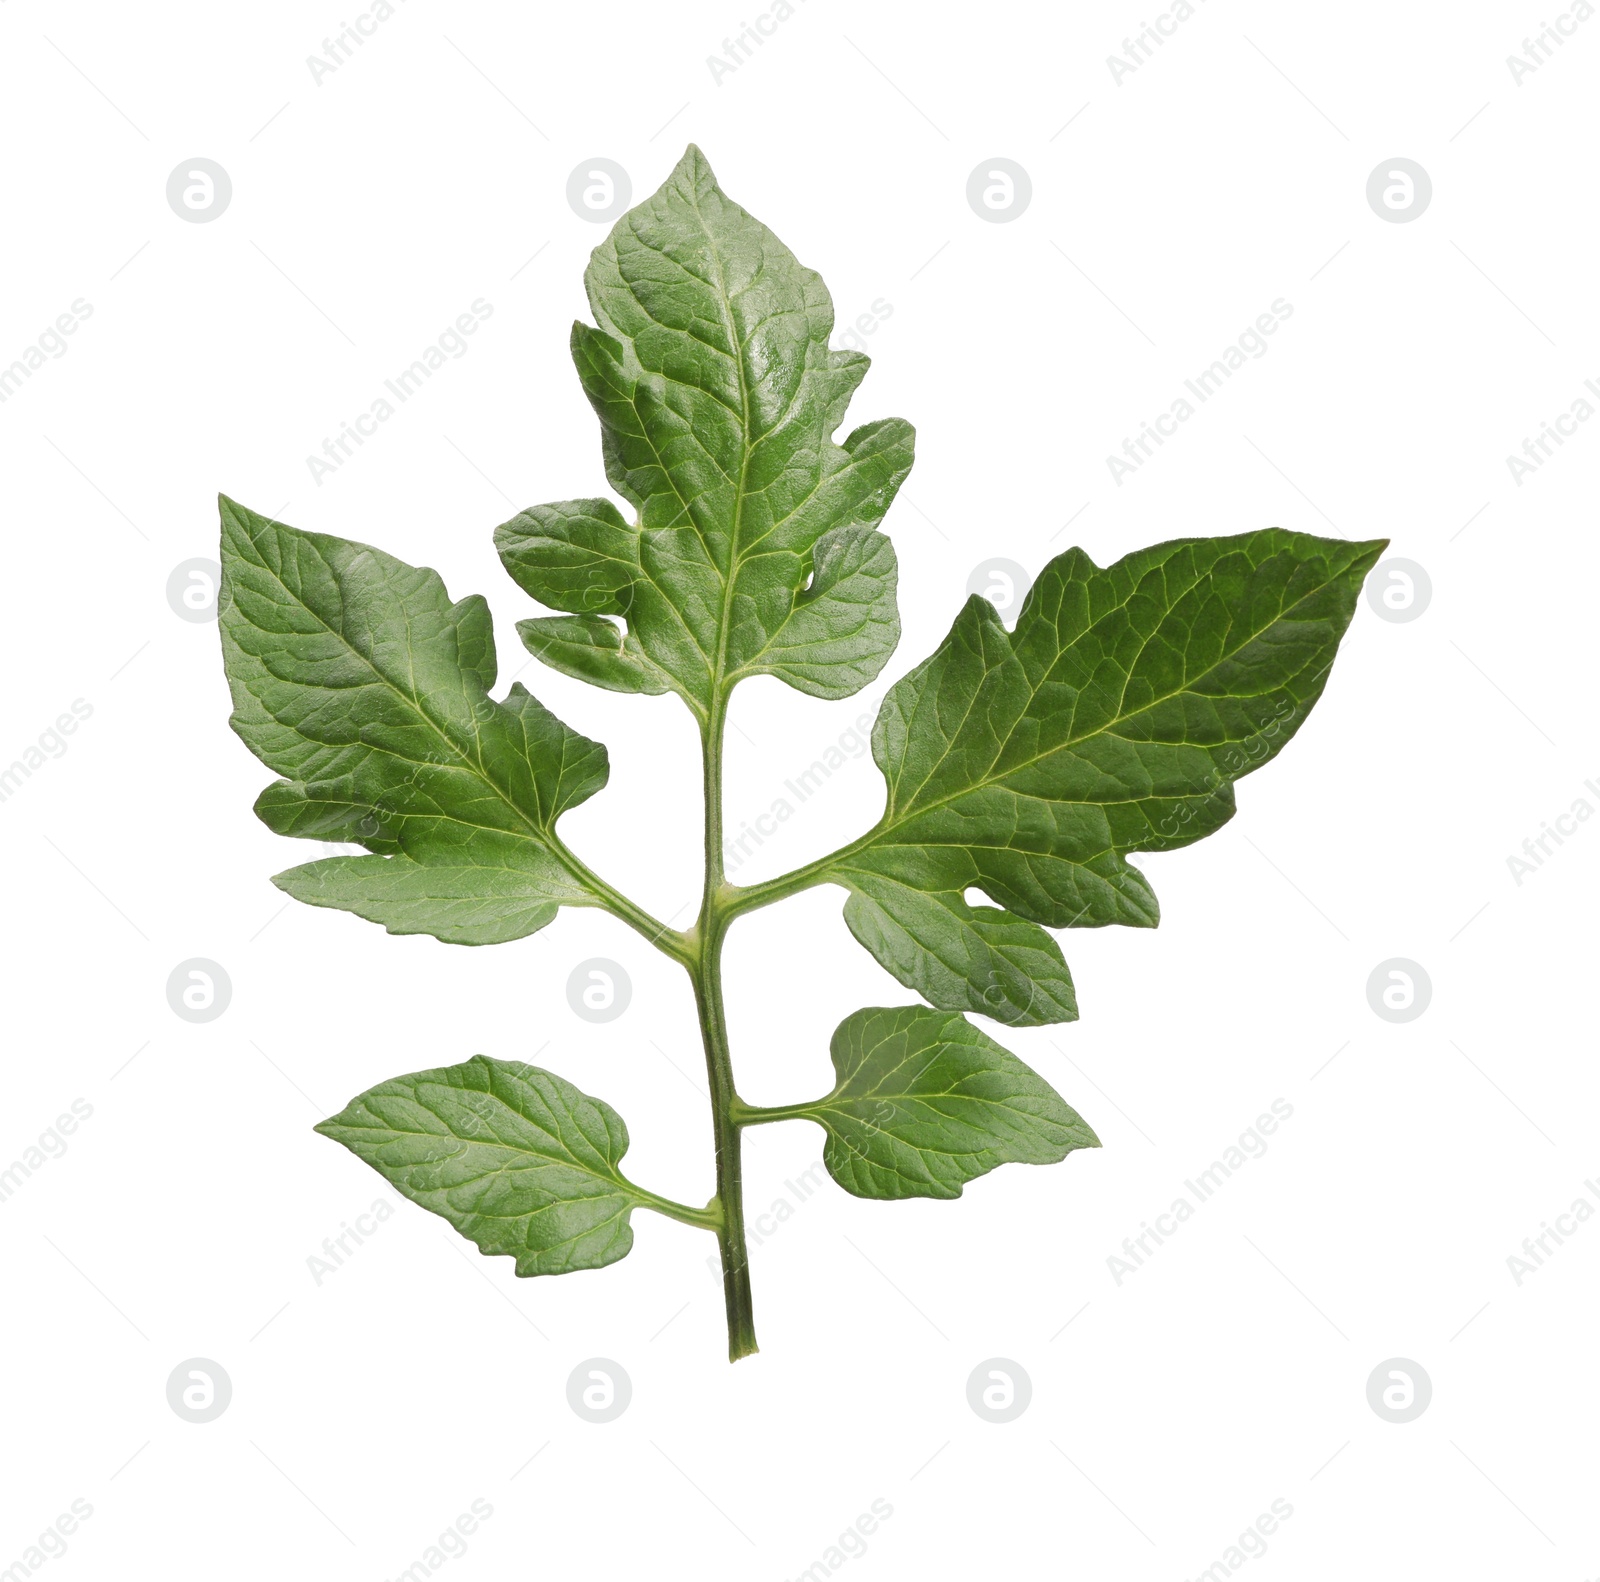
707,1218
750,898
758,1115
726,1106
670,941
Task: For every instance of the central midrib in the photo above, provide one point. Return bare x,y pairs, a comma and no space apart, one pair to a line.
724,307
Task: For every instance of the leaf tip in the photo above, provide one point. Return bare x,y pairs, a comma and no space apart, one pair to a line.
694,159
231,514
1364,553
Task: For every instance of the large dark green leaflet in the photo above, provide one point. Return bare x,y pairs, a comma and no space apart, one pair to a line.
517,1159
1115,719
925,1103
755,549
356,678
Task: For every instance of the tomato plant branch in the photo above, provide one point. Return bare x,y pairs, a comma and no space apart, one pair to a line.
706,972
1030,760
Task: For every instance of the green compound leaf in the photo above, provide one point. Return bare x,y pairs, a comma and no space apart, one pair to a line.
1115,719
517,1159
925,1103
755,549
1023,769
355,677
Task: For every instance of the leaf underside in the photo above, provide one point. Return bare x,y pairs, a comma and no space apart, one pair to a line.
517,1159
925,1102
755,549
357,679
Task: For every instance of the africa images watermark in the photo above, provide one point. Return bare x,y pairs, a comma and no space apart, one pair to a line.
51,1544
1536,848
1536,51
50,743
1229,764
853,339
754,833
337,1250
50,1144
339,49
1537,1249
1251,1544
1250,345
738,50
762,1226
1151,37
451,1544
1552,436
49,345
1202,1187
851,1544
451,345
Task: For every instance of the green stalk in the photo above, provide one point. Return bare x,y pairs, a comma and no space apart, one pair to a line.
670,941
706,971
742,899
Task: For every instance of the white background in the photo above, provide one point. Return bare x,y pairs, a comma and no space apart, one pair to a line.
1169,1410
